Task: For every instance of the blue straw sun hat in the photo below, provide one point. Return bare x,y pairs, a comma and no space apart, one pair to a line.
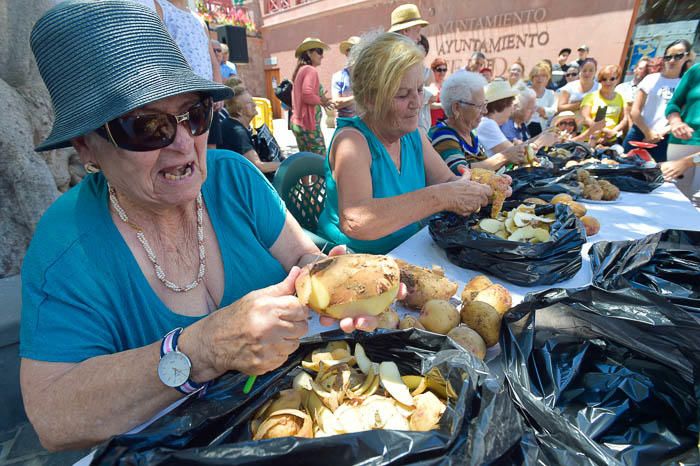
101,59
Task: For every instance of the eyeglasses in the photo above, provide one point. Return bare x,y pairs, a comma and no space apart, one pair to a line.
217,50
318,51
571,75
440,70
481,107
142,133
610,79
567,123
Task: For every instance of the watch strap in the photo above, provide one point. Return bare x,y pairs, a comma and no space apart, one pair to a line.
168,344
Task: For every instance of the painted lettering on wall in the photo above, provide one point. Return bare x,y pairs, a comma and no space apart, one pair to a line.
492,35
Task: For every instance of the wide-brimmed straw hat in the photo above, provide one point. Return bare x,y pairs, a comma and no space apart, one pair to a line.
310,43
565,115
102,59
498,89
406,16
348,43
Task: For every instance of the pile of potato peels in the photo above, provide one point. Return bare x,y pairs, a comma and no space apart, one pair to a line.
349,393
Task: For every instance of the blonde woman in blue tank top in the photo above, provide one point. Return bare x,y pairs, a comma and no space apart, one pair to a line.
382,174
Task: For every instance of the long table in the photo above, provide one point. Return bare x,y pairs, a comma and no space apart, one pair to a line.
632,216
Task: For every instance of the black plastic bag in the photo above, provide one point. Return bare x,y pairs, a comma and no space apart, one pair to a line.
578,152
215,429
605,377
523,264
284,92
541,182
666,263
628,178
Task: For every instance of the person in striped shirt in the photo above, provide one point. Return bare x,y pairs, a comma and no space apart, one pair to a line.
455,138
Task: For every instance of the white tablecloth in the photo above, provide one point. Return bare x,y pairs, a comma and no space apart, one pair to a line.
632,216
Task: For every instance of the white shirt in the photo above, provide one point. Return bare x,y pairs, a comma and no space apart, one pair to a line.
575,93
628,91
548,101
187,29
490,135
659,91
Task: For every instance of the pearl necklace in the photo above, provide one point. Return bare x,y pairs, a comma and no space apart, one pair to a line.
149,251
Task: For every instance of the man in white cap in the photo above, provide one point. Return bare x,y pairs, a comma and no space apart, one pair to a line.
583,51
341,89
406,20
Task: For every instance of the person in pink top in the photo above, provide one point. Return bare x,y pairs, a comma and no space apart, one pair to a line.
308,96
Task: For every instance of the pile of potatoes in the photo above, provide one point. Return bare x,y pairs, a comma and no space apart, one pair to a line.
591,223
363,284
520,224
596,190
476,324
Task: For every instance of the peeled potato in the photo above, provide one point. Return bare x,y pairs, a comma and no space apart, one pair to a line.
496,296
349,285
474,286
469,339
578,209
439,316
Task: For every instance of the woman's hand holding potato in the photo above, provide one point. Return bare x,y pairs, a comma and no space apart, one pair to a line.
254,335
464,196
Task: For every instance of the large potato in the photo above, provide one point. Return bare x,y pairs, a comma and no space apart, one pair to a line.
484,319
424,284
349,285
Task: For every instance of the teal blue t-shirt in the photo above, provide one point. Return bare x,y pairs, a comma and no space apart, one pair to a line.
83,293
387,181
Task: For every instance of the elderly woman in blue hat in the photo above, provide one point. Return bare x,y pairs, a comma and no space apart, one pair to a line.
167,266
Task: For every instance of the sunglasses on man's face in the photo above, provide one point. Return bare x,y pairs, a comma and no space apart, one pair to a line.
152,131
440,70
675,56
571,75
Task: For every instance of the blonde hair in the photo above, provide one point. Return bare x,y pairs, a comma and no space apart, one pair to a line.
541,67
380,62
233,105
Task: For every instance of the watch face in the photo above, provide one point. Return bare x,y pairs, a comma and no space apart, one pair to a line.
174,369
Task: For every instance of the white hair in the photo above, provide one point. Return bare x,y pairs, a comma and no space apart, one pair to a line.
525,95
460,86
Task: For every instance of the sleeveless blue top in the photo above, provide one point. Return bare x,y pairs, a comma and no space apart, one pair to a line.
387,181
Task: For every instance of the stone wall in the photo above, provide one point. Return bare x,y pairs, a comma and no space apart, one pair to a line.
29,182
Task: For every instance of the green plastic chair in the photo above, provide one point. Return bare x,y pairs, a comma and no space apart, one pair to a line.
300,182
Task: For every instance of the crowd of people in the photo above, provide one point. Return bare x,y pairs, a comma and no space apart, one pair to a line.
171,264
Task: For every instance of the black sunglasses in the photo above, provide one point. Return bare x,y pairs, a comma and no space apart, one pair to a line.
676,56
571,74
318,51
441,70
152,131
